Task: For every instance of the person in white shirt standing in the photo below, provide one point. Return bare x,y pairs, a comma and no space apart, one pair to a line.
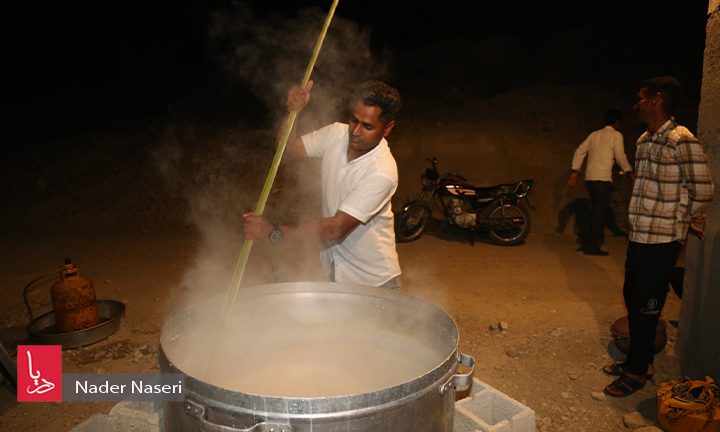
359,177
603,148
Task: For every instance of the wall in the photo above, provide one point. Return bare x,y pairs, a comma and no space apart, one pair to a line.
698,343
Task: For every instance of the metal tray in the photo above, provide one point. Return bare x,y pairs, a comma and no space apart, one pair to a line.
44,331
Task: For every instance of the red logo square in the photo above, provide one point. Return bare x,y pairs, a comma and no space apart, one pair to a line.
39,373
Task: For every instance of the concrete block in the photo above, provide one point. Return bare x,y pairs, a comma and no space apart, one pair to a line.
489,410
96,423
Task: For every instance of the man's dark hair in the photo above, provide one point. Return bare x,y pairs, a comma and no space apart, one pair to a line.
378,94
670,90
613,115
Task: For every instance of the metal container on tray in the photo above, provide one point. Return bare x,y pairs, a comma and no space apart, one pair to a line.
422,404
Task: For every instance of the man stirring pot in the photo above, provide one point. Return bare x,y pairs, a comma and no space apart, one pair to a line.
359,177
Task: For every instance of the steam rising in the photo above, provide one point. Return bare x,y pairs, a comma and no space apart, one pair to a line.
219,179
271,54
220,172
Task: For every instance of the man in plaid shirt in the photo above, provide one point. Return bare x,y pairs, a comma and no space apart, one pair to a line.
672,189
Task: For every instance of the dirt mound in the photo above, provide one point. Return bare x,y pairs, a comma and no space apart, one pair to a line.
207,171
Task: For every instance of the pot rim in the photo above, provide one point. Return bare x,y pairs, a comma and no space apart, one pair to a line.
239,401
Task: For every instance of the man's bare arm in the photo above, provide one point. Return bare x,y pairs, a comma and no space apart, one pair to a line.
318,230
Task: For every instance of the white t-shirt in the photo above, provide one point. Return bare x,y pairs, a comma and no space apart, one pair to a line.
361,188
603,147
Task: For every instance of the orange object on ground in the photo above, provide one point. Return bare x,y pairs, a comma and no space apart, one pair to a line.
74,301
689,406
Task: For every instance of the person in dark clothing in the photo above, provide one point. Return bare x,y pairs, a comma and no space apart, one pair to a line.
603,148
673,188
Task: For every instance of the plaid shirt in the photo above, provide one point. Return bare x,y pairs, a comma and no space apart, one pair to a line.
672,185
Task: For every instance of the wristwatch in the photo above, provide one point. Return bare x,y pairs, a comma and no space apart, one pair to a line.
276,235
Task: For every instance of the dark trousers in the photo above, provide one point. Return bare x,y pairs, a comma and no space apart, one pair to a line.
600,204
648,269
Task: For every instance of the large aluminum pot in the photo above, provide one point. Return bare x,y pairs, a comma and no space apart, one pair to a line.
274,332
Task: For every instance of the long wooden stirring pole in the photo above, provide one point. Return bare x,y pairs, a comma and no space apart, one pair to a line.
240,267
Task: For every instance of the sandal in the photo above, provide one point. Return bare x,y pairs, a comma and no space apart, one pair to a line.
625,385
617,370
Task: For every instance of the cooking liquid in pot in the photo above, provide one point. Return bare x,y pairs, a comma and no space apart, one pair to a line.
308,346
324,368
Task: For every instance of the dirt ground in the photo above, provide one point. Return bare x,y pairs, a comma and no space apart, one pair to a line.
152,218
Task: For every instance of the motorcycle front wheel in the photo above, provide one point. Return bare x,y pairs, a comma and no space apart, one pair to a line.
411,222
509,224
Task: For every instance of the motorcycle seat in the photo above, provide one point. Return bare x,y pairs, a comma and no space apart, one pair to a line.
497,190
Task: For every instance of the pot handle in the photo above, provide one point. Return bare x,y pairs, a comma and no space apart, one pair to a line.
460,381
198,411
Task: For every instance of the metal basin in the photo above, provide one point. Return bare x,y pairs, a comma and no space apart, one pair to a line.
45,332
411,389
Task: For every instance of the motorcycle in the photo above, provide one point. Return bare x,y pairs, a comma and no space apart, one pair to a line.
497,210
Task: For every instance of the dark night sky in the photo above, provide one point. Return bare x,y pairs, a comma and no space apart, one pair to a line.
63,50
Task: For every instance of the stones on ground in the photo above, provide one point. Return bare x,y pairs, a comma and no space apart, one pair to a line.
649,429
635,420
573,376
512,352
598,396
106,281
565,395
572,409
503,326
557,332
660,377
493,327
148,349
